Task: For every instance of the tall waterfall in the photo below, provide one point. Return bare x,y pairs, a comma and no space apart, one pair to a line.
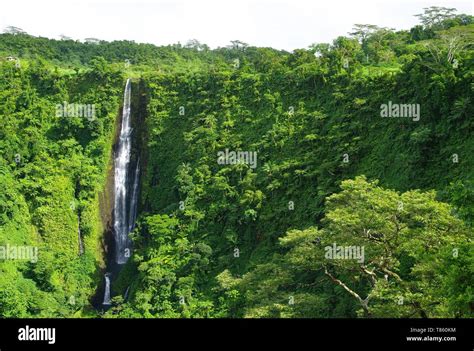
107,289
124,203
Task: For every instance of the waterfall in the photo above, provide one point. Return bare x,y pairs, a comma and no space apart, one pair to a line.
124,204
107,289
125,297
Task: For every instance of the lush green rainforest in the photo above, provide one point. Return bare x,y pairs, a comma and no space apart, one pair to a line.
245,239
52,172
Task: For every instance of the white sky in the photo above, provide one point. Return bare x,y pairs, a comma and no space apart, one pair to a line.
282,24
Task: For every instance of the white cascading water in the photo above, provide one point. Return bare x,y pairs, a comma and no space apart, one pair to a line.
124,205
107,289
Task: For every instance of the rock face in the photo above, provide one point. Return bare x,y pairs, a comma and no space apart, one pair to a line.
127,143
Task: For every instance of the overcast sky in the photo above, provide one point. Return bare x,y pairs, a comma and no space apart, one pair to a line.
282,24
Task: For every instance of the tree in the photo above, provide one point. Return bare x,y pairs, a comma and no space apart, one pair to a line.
320,49
238,45
404,237
196,45
13,30
434,16
363,31
447,46
92,40
389,252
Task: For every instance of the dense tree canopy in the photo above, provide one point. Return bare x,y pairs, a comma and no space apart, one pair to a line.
242,239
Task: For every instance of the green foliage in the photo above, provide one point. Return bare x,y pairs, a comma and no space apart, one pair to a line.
302,117
52,168
233,240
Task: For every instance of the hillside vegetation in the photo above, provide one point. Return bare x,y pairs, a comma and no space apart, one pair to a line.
244,239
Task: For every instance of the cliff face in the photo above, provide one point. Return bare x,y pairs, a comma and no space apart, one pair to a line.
106,197
106,209
139,111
